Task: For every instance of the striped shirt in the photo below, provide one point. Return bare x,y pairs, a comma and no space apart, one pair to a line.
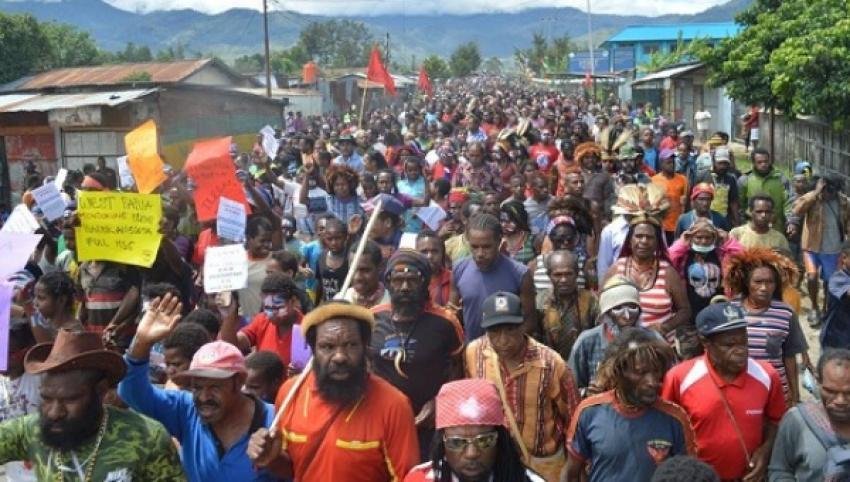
773,335
541,277
541,391
656,305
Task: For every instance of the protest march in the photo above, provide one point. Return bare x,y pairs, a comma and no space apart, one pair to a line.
482,279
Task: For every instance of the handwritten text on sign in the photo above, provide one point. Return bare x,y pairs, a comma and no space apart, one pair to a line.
211,167
225,268
122,227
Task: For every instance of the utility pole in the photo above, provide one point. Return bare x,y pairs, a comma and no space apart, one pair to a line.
387,52
590,49
268,58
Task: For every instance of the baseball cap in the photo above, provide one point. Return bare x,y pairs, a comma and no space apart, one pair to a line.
217,359
501,308
719,318
473,401
721,154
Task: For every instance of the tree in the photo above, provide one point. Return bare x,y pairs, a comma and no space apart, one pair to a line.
436,67
465,59
249,64
336,43
138,76
24,47
682,52
544,58
69,46
492,66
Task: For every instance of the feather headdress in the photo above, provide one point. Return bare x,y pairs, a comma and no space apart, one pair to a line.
612,139
643,202
739,265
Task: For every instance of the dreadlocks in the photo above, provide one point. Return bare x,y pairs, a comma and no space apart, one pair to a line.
634,346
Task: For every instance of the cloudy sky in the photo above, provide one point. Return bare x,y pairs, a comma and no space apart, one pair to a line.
409,7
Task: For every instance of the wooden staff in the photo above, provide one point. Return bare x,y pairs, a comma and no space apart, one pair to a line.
348,277
363,104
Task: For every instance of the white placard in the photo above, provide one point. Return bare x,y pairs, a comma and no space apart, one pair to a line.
432,216
60,178
225,268
407,241
50,201
17,249
270,144
125,175
230,222
20,221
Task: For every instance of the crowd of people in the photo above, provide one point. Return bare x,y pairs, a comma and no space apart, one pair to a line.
496,283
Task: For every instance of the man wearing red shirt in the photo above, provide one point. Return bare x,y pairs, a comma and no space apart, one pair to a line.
546,147
735,403
271,329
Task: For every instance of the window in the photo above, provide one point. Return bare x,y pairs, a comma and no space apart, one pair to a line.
649,49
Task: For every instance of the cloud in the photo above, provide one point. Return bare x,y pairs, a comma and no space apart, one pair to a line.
413,7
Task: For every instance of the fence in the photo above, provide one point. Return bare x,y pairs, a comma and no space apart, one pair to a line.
807,139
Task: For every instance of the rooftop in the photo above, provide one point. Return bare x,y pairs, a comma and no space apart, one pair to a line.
160,73
689,31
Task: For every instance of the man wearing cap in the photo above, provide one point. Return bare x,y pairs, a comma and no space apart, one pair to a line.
734,402
619,307
387,230
701,196
75,435
347,154
415,345
725,199
473,442
213,420
536,386
630,172
339,422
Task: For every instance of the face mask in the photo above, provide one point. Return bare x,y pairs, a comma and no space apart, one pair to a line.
702,249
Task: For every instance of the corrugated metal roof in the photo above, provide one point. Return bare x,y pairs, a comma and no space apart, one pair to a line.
160,72
689,31
668,73
47,102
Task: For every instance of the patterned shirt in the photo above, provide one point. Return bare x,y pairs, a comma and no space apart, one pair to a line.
563,324
541,391
773,335
134,448
482,178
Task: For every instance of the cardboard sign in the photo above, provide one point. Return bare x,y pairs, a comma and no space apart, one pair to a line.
407,241
16,249
270,143
230,222
121,227
142,157
6,291
211,168
225,268
125,175
49,199
20,221
60,178
432,216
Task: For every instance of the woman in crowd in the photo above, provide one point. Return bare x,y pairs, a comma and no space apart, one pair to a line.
54,298
517,240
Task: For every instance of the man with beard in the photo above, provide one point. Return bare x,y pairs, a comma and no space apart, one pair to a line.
74,435
812,435
212,419
625,433
733,401
415,346
343,423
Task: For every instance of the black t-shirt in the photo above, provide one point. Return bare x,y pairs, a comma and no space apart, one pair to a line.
330,278
429,344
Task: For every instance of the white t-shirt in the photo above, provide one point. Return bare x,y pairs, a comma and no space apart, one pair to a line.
702,117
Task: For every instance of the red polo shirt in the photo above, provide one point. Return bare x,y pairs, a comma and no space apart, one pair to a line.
754,397
266,336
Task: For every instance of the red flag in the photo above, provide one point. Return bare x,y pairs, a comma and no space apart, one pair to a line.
424,82
376,72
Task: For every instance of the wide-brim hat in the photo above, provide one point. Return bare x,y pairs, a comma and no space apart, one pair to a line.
75,351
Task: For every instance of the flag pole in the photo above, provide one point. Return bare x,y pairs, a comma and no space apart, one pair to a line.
363,103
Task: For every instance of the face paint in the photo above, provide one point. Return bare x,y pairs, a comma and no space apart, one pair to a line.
274,306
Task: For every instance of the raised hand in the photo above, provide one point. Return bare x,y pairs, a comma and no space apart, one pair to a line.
160,319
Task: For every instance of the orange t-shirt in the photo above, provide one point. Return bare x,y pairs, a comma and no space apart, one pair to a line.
265,336
373,441
675,187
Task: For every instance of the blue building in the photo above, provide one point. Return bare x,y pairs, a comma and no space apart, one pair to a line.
634,44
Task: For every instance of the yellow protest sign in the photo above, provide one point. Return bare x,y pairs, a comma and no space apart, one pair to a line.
142,157
121,227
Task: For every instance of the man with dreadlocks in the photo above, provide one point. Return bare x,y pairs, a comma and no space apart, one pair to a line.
623,434
415,346
472,442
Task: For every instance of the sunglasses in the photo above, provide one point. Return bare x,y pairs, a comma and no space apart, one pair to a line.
625,309
481,442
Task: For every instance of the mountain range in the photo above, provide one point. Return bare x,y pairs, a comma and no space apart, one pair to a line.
240,31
